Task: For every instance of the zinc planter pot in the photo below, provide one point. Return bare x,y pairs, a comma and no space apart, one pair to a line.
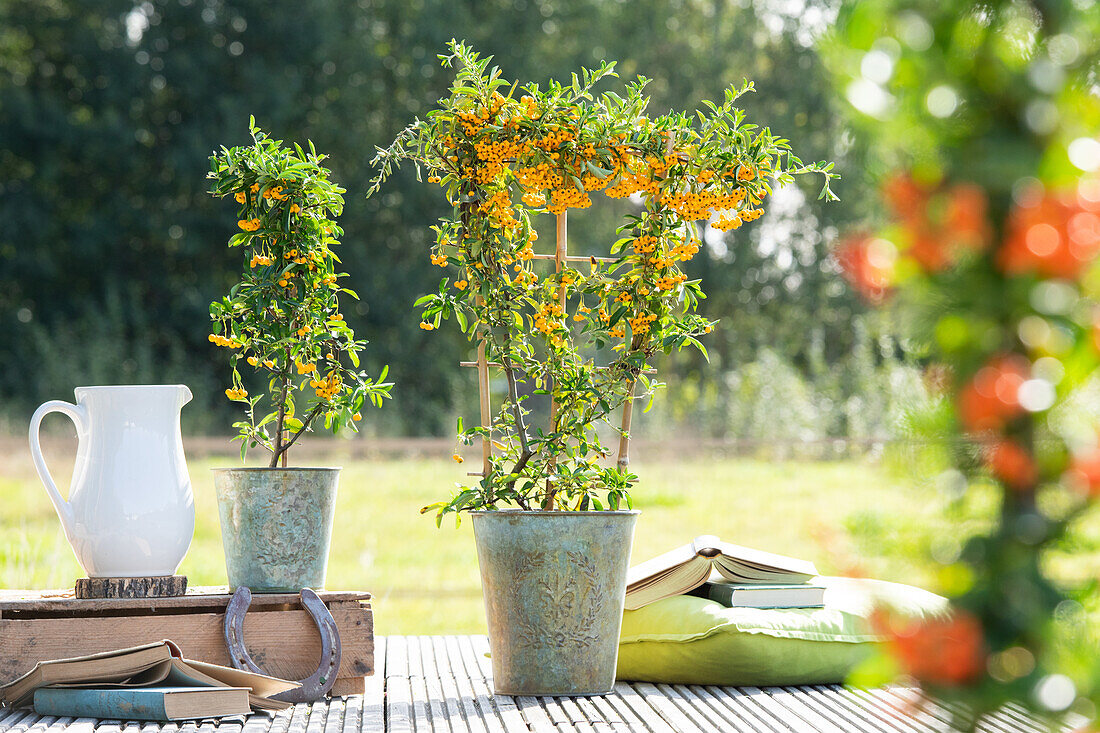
553,584
276,526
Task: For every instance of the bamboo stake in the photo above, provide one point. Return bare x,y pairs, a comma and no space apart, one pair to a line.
486,415
628,407
561,256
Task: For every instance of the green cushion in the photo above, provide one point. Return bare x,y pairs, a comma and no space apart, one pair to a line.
689,640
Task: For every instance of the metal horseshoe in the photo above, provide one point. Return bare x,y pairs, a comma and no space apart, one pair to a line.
317,684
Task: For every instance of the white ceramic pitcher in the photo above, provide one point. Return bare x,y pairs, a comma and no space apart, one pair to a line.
130,511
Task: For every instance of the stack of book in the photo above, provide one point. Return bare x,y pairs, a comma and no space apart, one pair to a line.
148,682
729,574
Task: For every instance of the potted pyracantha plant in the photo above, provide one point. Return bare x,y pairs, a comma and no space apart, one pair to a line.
582,330
282,323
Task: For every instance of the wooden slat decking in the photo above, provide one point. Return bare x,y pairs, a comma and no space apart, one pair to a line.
443,684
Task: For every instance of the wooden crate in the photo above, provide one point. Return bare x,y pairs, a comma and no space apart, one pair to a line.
279,634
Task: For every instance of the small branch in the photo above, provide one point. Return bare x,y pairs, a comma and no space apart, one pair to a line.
305,424
628,409
517,414
279,449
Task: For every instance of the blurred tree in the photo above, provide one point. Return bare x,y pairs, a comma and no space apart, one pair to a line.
110,251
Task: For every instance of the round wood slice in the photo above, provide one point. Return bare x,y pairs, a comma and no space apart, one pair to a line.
163,586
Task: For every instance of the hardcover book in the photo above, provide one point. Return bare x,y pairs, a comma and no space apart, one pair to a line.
687,567
161,704
743,595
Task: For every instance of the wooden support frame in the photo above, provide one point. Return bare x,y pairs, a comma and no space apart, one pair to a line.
560,258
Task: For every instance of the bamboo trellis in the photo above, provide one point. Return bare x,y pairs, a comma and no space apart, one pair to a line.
560,257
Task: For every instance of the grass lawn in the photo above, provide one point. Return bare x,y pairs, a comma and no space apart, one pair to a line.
841,514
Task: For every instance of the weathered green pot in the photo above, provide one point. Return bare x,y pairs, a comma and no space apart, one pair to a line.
553,584
276,526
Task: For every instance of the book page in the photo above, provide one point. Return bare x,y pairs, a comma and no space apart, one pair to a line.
672,582
758,564
660,564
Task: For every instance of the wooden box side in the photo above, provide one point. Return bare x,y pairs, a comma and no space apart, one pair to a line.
283,643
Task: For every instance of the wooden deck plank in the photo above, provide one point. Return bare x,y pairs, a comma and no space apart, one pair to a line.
421,703
594,713
574,714
480,713
505,707
700,714
726,708
914,697
751,709
456,703
480,645
372,712
510,718
834,710
13,717
665,708
839,697
886,721
605,711
399,705
811,716
913,707
889,712
533,713
622,700
442,721
718,715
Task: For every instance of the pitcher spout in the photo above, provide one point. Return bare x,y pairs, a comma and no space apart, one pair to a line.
184,394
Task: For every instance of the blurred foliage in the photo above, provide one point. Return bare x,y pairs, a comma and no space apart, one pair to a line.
982,121
109,250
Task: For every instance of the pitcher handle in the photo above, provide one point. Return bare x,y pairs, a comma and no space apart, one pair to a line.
78,416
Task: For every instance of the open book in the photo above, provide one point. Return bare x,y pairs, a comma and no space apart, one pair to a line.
681,570
149,665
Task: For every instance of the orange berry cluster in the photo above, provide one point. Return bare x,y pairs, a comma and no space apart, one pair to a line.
499,207
276,193
686,250
236,394
525,278
549,318
223,341
260,260
670,281
640,322
328,387
249,225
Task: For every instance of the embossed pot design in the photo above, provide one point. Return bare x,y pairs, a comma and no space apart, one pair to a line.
276,526
553,584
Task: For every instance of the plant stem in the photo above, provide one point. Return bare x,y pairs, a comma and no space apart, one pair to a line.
517,413
279,449
305,424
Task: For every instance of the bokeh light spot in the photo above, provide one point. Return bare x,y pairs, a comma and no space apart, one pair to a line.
1055,692
1036,395
1084,152
942,101
1043,239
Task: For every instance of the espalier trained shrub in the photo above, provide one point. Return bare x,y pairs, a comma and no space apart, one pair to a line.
504,155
